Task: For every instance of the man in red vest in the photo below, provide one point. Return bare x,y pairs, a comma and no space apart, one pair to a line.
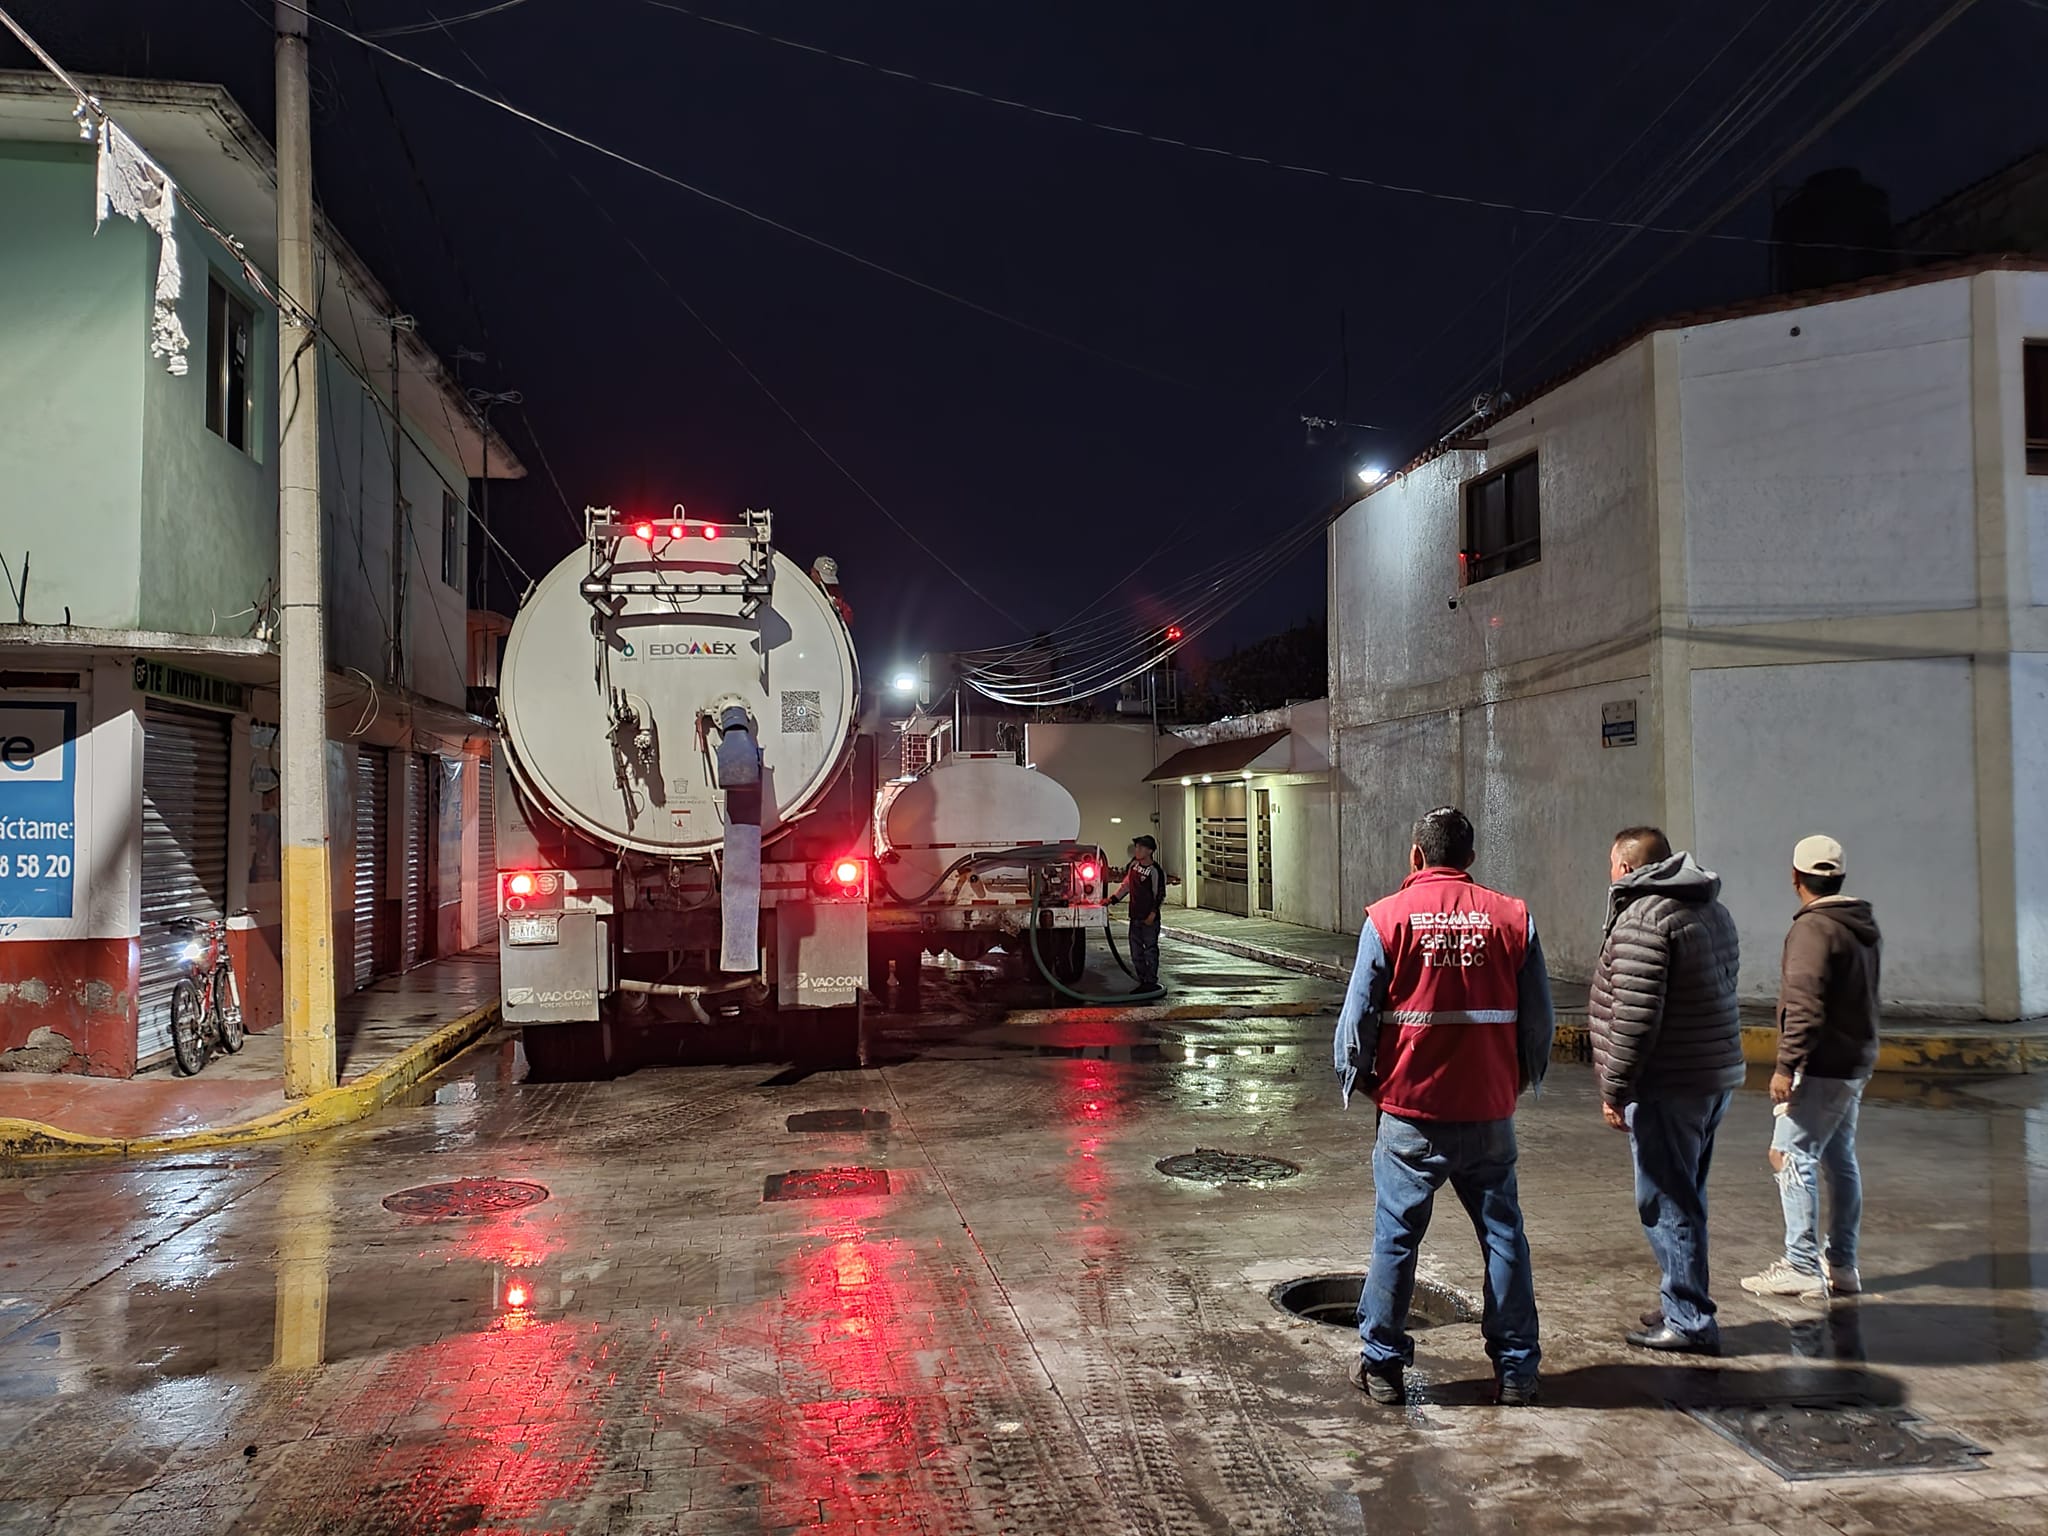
1447,1020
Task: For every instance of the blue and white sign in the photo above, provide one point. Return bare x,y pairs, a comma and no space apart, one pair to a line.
38,809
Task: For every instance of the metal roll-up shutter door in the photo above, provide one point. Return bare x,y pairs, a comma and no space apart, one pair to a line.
184,853
416,914
486,853
372,825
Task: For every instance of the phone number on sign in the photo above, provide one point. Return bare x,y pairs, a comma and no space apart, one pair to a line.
31,866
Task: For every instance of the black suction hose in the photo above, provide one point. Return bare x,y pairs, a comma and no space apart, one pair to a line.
1037,906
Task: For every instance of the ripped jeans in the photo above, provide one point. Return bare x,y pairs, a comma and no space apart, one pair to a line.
1818,1131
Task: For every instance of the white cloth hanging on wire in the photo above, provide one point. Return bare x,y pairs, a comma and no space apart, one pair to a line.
136,187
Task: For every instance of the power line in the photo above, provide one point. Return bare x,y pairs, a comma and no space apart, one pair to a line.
872,265
443,23
1212,151
661,275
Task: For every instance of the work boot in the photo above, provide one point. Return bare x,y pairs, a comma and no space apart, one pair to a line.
1383,1383
1518,1391
1781,1279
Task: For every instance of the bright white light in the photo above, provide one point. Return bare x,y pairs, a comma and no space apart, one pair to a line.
1246,774
1186,783
191,952
1116,821
1208,778
1372,474
905,682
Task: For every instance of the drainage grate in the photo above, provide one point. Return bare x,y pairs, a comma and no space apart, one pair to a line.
826,1183
465,1197
840,1120
1333,1301
1206,1166
1839,1437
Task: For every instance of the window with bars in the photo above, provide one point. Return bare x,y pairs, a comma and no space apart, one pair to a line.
230,347
1503,522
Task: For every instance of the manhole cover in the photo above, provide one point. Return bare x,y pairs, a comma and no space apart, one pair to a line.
1333,1301
1839,1437
1206,1166
840,1120
826,1183
465,1197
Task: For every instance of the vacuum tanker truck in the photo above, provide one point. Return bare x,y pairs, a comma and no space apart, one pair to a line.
687,815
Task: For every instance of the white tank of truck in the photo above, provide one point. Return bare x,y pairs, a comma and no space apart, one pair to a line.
970,854
677,707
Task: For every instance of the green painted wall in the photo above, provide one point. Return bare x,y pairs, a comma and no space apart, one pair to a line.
74,339
209,510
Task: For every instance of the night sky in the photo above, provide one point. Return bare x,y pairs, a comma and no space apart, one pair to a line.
1217,289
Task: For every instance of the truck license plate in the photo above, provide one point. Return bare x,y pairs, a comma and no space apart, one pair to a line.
534,929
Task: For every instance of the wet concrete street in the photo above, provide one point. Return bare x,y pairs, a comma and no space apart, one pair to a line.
1007,1320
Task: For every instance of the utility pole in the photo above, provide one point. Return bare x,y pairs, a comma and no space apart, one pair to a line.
309,1063
401,517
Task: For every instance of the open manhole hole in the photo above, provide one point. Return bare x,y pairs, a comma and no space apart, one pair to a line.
839,1120
1332,1300
1204,1165
826,1183
1839,1437
465,1197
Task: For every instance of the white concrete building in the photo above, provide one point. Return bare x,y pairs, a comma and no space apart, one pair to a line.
1775,570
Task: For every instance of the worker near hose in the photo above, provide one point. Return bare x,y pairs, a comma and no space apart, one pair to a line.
1145,883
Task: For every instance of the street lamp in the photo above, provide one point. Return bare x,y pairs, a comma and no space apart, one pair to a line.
904,682
1371,474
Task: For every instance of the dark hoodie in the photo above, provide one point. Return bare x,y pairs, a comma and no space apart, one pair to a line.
1664,1014
1827,999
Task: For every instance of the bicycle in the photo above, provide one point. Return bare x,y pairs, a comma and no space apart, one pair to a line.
206,1005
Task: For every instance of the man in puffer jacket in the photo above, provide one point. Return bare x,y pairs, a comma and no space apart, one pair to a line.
1667,1050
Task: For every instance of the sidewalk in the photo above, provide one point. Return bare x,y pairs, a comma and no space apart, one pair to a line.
386,1038
1950,1047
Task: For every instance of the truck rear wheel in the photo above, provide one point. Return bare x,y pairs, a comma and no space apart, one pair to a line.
570,1053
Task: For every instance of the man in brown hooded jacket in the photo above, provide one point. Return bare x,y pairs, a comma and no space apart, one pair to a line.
1827,1049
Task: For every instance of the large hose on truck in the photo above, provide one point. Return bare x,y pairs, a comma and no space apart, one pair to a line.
1038,906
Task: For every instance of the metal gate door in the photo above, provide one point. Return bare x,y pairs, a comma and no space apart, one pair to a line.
184,854
486,853
1263,853
1221,848
371,949
418,921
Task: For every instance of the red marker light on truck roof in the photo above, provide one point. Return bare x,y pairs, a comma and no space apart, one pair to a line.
644,532
675,530
710,531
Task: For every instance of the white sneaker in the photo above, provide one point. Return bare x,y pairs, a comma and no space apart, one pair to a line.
1781,1279
1844,1282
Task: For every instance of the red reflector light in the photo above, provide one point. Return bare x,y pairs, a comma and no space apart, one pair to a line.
520,885
846,872
1088,872
644,532
710,531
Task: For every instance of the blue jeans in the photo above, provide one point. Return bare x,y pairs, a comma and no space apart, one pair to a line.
1411,1160
1818,1130
1673,1144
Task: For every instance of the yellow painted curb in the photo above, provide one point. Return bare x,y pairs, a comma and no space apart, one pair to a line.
1987,1050
331,1107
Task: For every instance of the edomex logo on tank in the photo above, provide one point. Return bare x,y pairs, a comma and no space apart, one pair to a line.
683,650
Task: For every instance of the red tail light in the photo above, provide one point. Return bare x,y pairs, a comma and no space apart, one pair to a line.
846,872
517,1295
1089,873
520,884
